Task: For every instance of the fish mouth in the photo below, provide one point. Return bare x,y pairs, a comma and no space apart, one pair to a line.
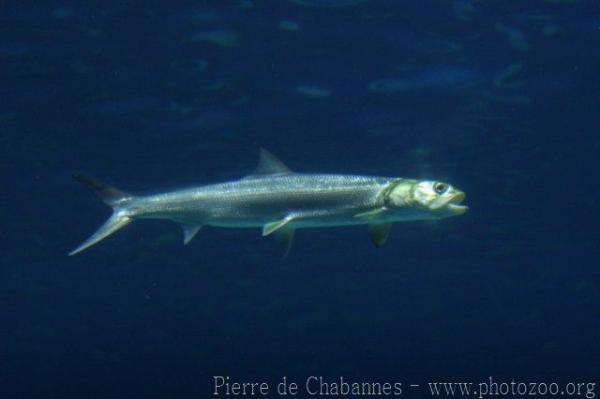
454,204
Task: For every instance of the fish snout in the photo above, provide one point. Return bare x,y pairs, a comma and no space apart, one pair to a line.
454,205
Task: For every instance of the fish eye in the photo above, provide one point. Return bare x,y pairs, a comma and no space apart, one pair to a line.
440,188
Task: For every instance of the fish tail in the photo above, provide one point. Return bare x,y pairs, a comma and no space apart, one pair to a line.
113,197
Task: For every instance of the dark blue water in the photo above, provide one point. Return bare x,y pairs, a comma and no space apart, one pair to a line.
498,98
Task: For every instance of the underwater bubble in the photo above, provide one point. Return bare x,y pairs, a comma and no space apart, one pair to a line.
551,30
245,4
288,26
7,116
193,65
222,37
94,32
440,77
328,3
516,99
387,85
313,91
124,106
515,36
202,16
14,49
222,86
464,9
506,78
81,67
63,12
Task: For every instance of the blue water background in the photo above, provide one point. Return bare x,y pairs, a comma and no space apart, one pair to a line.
498,98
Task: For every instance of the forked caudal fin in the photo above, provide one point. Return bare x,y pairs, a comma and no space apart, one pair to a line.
112,197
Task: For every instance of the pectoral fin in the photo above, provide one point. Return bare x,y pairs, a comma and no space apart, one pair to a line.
189,231
371,214
284,238
276,225
379,232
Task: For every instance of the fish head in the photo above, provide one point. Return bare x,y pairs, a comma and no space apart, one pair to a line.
436,199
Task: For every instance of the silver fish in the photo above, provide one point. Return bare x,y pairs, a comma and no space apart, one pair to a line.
281,201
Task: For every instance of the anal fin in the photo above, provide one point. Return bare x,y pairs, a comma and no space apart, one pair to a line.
379,232
285,238
189,232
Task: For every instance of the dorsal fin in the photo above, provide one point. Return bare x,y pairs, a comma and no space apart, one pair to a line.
269,164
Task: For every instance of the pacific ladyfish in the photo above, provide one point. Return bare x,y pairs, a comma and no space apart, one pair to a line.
281,201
